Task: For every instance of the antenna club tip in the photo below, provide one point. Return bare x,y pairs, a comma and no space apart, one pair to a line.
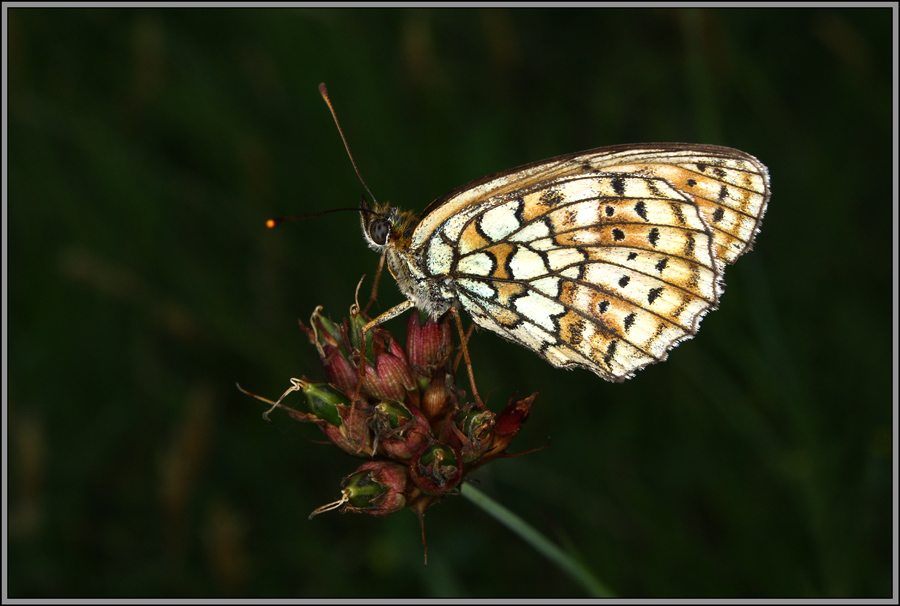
270,223
323,90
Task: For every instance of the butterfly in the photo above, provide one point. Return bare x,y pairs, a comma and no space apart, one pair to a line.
604,259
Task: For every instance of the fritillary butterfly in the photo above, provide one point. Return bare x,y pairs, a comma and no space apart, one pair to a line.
604,259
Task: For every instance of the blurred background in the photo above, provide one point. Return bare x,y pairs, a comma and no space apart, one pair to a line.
148,147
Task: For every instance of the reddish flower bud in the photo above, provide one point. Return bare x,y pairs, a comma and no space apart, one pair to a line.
437,469
353,436
400,431
331,342
339,371
387,376
376,488
428,343
510,421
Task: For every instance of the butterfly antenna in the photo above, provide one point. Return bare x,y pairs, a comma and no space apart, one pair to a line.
270,223
323,90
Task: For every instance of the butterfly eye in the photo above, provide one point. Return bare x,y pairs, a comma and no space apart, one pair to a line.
379,230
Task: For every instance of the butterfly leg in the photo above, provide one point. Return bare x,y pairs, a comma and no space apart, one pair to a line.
459,355
388,315
374,294
463,338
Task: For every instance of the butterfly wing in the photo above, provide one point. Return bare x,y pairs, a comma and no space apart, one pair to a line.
604,259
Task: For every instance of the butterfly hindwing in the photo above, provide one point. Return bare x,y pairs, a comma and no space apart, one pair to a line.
604,259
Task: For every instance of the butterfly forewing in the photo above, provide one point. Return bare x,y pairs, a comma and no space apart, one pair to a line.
604,259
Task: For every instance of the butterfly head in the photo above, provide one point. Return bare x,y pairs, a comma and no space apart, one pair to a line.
383,225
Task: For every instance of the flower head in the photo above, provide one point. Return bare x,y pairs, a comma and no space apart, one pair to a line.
402,410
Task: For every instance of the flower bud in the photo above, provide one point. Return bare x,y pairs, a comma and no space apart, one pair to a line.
324,402
353,436
345,425
510,421
376,488
440,395
327,332
386,374
473,432
428,343
400,431
331,342
436,469
353,326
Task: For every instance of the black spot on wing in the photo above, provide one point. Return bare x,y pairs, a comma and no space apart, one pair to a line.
610,352
679,214
576,331
641,209
550,197
651,185
618,185
690,246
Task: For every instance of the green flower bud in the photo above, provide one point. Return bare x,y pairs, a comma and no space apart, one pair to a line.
376,488
474,432
436,469
324,401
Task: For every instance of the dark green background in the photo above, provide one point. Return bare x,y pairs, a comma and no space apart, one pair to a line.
146,149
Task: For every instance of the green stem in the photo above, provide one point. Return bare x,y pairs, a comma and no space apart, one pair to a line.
542,544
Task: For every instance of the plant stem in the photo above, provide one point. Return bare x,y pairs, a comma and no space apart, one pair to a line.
575,569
